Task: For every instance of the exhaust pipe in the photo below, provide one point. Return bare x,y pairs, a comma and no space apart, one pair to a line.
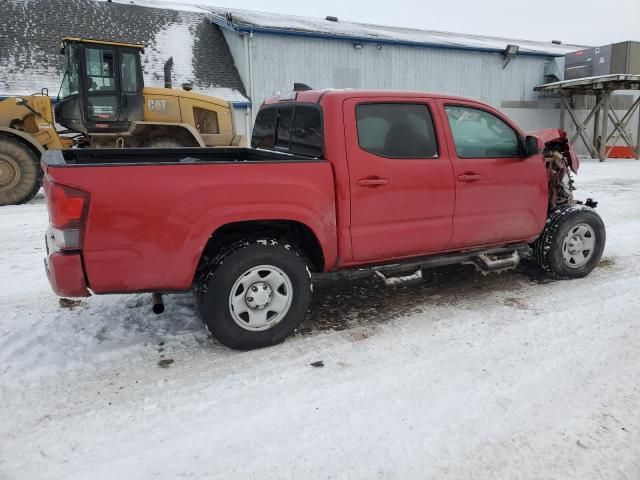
158,303
168,65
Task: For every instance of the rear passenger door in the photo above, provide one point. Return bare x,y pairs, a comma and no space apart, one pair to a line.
401,179
500,193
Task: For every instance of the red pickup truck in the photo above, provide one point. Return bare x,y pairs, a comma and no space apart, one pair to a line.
365,181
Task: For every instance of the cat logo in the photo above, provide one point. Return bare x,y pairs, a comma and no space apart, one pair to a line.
157,105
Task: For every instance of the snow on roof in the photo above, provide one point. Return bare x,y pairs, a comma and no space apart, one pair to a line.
30,59
243,20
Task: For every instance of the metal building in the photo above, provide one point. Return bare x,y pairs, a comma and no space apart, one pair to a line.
272,52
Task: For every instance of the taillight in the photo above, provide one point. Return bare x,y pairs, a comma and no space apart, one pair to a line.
67,208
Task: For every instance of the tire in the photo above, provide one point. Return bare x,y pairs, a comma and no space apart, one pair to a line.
571,244
237,319
20,172
164,142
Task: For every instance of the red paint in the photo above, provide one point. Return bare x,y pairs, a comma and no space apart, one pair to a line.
556,135
146,226
65,274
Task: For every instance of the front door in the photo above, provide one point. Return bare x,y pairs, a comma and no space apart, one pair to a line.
401,179
101,90
501,196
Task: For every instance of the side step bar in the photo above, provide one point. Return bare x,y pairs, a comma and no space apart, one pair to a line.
412,279
489,260
488,263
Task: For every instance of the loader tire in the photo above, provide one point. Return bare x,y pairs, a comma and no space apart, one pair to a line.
164,142
20,172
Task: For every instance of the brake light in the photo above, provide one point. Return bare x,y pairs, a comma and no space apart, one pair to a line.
67,208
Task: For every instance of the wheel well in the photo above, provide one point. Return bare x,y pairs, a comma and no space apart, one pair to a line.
22,141
145,133
298,233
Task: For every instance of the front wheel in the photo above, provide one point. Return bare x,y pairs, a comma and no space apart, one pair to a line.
255,295
572,242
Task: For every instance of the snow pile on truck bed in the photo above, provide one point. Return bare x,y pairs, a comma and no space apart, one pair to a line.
503,376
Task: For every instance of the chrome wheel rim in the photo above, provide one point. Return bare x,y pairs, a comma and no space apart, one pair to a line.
260,298
9,173
578,245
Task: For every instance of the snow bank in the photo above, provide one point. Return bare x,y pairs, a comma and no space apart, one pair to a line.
463,376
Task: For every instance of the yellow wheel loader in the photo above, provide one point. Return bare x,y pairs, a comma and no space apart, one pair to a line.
103,103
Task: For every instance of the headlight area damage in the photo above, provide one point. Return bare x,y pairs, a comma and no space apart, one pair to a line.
560,160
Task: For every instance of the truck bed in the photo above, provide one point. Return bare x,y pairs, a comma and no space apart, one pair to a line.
152,211
150,156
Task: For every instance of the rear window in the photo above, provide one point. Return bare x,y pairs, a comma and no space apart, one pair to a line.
295,129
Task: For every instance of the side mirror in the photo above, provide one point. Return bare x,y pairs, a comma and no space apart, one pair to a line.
531,146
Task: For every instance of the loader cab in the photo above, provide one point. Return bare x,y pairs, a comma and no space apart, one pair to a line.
102,87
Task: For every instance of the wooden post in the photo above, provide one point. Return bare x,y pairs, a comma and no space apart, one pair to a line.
580,129
605,126
596,123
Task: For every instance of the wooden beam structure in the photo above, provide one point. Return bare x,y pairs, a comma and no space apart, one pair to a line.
600,142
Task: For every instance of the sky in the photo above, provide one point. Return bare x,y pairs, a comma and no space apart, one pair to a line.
583,22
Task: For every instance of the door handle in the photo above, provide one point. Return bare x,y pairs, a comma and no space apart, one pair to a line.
372,182
469,177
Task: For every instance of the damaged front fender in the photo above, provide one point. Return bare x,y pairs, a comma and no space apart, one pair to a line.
556,139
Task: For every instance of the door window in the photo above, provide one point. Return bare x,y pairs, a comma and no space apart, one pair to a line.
480,134
396,130
100,71
129,73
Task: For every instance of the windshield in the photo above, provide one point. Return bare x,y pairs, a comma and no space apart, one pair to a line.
70,80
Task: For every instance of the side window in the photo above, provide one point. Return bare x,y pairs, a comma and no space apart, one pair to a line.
70,80
100,70
283,132
480,134
206,121
306,135
396,130
264,129
129,73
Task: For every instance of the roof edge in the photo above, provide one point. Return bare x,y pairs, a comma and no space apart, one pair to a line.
222,22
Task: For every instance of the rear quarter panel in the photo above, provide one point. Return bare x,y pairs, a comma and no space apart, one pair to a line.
147,225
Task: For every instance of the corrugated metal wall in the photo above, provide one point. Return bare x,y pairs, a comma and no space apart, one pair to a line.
280,60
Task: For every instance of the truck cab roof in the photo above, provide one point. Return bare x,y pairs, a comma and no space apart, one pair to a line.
315,96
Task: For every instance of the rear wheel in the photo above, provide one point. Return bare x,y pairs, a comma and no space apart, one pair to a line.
255,295
572,242
20,172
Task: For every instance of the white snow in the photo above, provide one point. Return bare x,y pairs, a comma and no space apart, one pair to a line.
177,41
24,75
503,376
280,21
30,69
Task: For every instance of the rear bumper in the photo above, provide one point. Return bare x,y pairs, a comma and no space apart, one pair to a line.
65,274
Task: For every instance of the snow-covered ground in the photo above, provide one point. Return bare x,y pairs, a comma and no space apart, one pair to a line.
463,376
